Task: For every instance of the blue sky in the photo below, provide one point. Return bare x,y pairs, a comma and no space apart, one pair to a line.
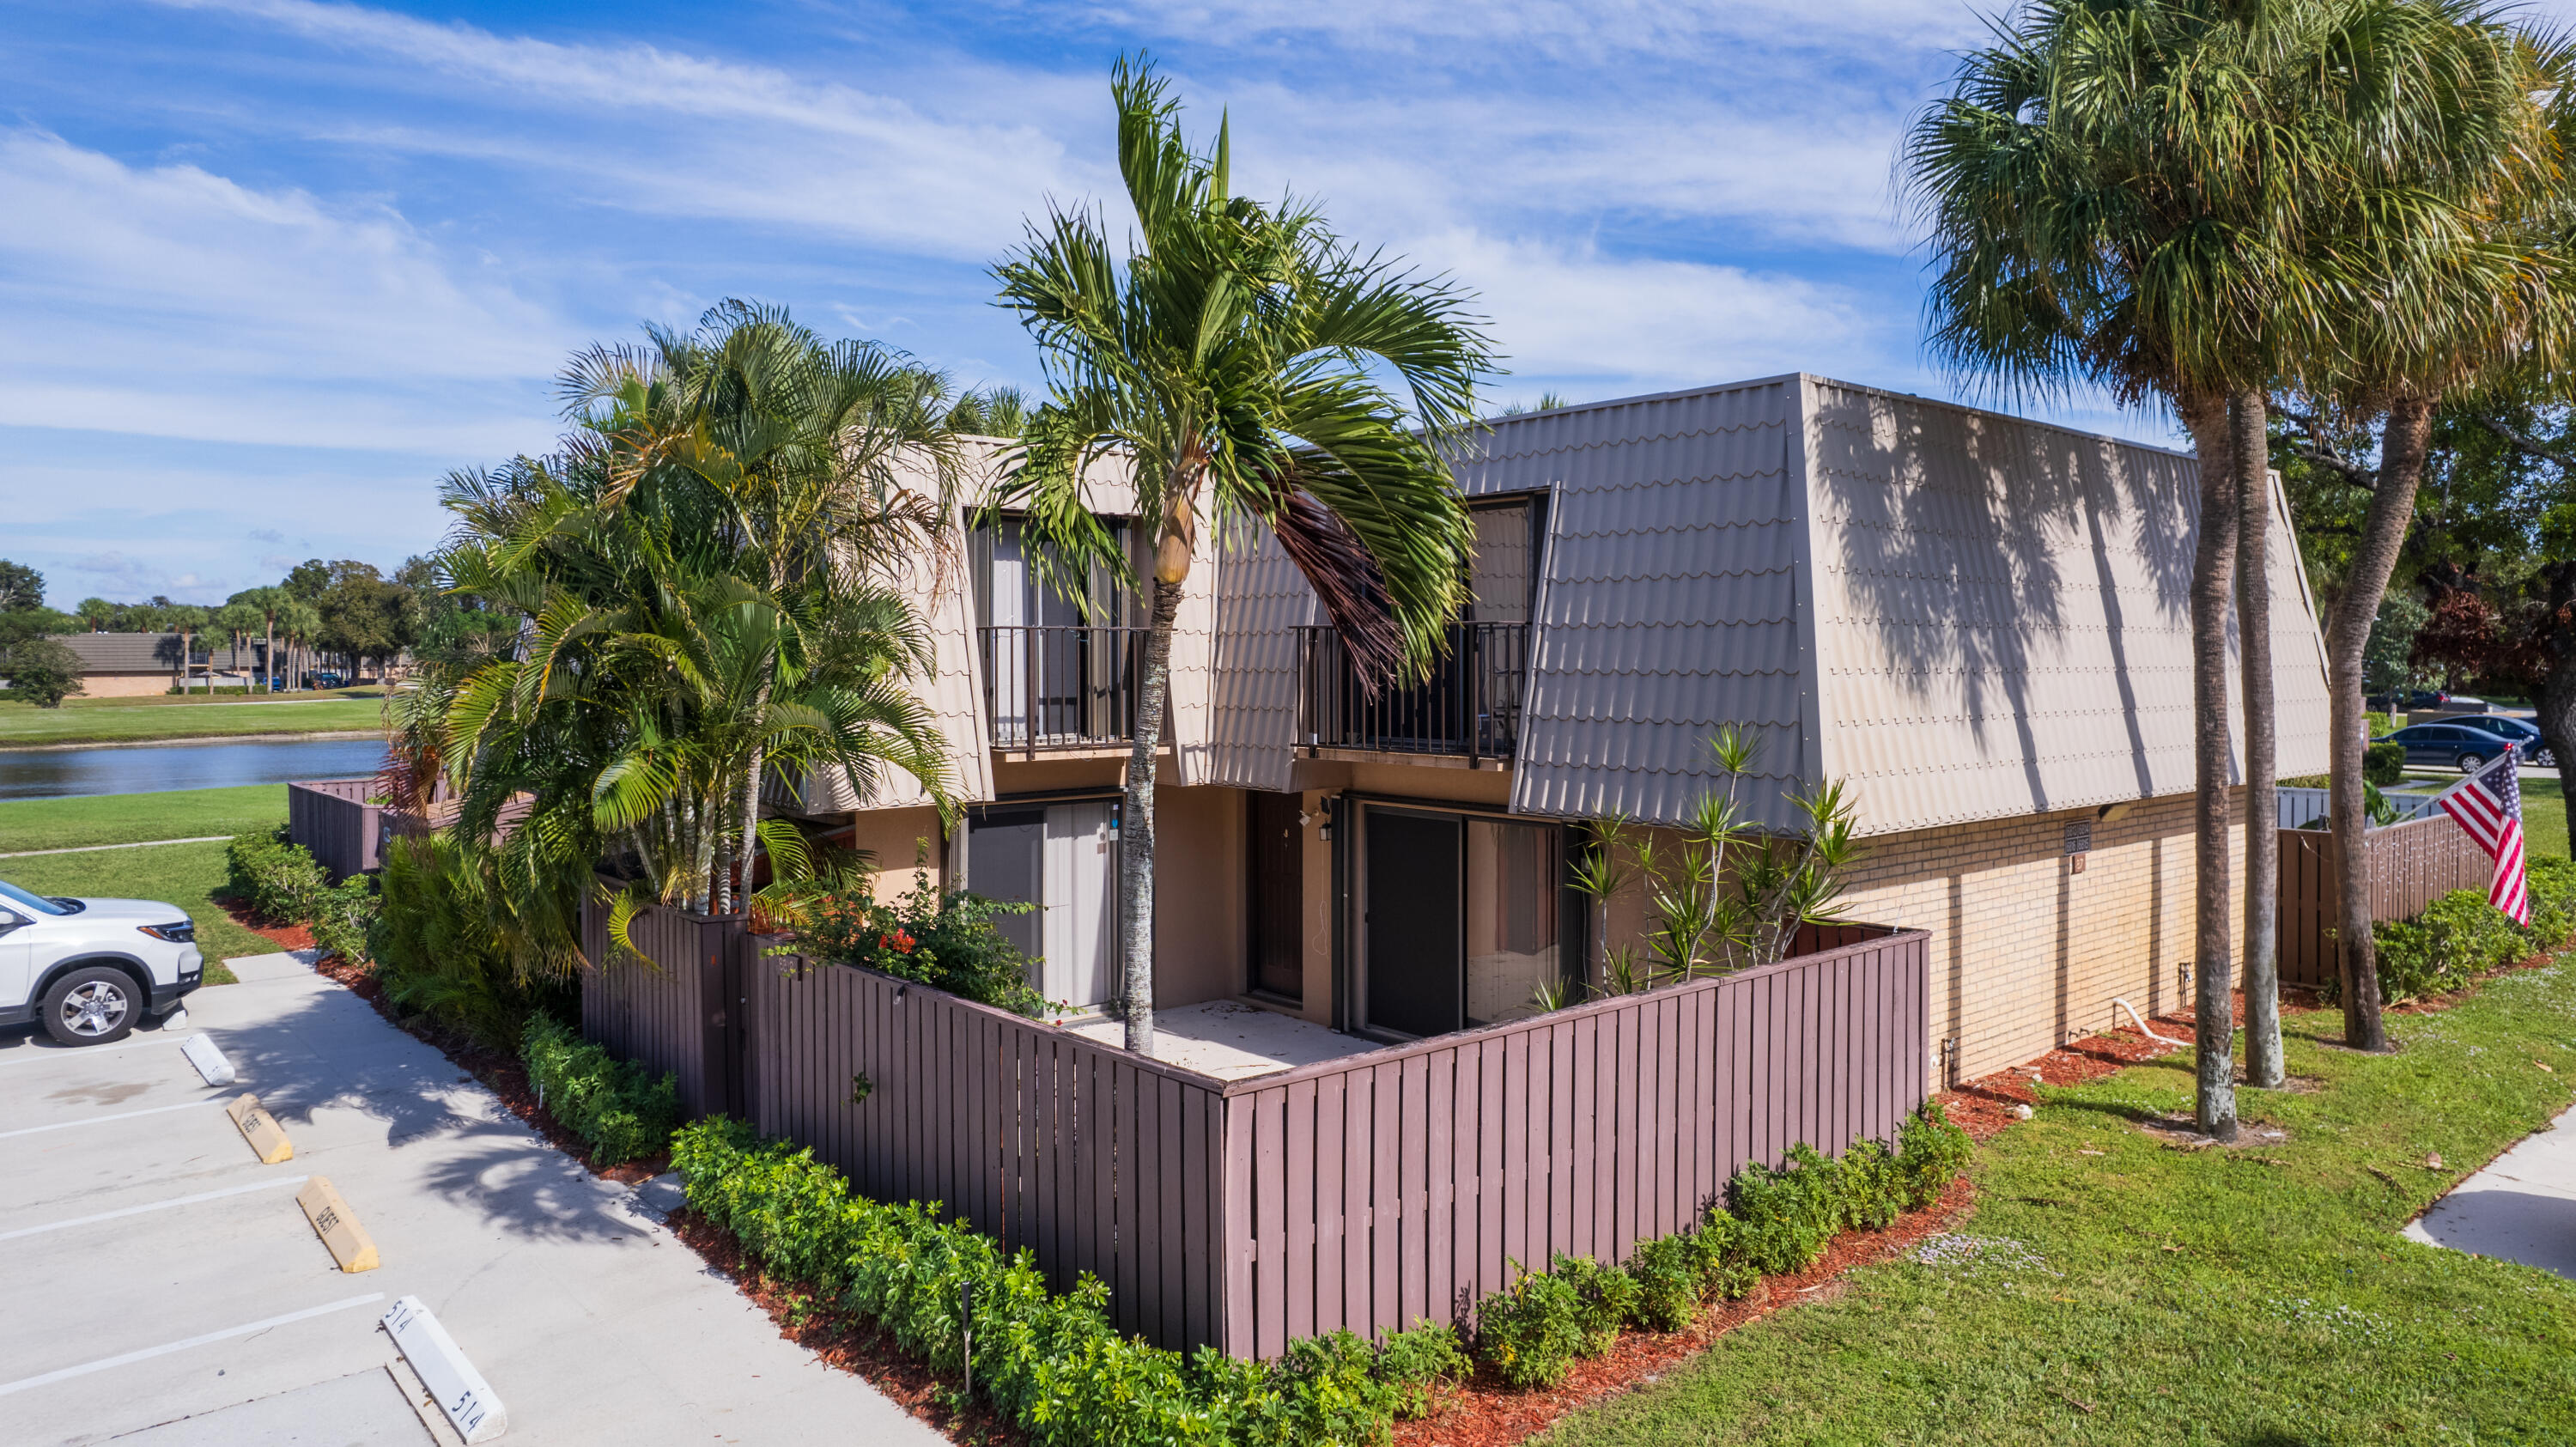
268,269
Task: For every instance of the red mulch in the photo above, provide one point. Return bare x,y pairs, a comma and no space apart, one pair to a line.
848,1342
284,936
1483,1413
501,1074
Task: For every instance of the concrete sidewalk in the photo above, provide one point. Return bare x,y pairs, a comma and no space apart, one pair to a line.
144,1228
2522,1207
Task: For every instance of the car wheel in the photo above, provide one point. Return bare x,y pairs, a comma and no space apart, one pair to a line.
2471,763
94,1005
2544,759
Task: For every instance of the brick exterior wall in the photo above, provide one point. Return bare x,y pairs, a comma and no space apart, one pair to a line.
2025,951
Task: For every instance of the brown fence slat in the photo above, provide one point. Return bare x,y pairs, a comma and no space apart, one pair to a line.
1362,1192
2411,865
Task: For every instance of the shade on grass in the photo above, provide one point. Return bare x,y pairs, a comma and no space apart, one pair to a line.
21,725
2121,1290
186,875
132,818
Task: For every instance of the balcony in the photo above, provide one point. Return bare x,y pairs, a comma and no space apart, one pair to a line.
1469,707
1056,688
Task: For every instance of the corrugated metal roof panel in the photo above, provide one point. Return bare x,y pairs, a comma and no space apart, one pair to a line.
1261,600
2003,614
1670,599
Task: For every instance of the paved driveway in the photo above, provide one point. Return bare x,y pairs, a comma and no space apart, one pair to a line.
2522,1207
164,1289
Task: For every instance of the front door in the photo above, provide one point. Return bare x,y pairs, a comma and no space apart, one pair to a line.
1414,926
1278,896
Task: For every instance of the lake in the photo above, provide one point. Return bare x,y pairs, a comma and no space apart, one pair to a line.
57,773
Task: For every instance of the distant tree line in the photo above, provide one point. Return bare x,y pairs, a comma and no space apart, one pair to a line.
345,617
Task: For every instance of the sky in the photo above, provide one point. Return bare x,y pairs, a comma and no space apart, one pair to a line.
270,269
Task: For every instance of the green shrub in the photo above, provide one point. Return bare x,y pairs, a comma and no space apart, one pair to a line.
1054,1366
2456,939
440,947
1531,1331
1051,1363
616,1106
1414,1364
1670,1287
1784,1217
1930,1154
342,916
1609,1296
942,939
2383,764
273,875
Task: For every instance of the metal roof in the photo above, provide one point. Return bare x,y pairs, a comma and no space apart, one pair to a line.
1961,614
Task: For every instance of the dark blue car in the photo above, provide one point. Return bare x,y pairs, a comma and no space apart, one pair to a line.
2466,747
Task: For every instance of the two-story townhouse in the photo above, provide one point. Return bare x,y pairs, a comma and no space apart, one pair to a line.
1978,623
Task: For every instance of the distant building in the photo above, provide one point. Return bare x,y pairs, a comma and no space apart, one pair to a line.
132,665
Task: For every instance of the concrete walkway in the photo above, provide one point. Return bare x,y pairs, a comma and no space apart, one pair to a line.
164,1287
2522,1207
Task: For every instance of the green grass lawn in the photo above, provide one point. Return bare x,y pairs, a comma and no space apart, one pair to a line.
132,818
132,720
2135,1292
187,875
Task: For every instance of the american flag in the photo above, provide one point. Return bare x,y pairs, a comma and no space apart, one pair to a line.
2488,805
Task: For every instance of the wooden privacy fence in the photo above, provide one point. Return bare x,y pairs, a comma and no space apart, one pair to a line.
1361,1192
2411,865
334,822
681,1013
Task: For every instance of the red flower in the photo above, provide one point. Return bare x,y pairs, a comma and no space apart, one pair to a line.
901,942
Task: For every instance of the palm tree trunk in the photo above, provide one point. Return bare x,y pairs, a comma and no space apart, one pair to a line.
2248,422
268,661
750,821
2213,566
1136,826
2383,532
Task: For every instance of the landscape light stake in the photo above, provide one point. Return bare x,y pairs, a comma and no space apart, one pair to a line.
966,1329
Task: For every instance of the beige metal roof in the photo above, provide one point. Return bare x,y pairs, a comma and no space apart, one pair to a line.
1963,615
2002,613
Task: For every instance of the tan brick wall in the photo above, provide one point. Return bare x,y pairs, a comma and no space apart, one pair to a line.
2026,952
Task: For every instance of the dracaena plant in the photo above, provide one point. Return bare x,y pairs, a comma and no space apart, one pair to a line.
1720,895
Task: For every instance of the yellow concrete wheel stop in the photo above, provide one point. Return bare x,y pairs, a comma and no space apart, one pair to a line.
350,1244
261,1129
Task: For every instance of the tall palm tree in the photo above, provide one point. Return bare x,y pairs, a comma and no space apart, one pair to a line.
2157,196
821,469
2486,301
1245,363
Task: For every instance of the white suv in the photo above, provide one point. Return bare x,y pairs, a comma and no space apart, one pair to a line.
88,969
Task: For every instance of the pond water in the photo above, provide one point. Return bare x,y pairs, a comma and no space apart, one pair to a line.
56,773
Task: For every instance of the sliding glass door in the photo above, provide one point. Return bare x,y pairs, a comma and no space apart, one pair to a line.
1458,918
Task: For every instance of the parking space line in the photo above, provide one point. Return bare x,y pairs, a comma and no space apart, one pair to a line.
103,1119
29,1054
111,1363
155,1206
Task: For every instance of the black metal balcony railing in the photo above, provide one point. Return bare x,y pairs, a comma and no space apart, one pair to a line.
1059,687
1471,703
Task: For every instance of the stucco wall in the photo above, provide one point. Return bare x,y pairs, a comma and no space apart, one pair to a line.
895,837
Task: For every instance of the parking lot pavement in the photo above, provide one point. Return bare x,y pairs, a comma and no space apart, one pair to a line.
165,1289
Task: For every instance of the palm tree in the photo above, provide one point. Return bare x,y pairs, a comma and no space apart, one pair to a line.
2486,303
820,468
1244,363
2160,196
238,620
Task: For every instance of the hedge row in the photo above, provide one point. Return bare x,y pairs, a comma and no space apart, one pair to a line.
616,1106
1055,1366
282,881
2460,937
1774,1222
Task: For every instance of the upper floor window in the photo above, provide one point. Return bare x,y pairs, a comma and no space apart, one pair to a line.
1503,584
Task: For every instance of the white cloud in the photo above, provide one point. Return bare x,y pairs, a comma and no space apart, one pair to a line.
172,302
704,137
1592,26
1645,324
